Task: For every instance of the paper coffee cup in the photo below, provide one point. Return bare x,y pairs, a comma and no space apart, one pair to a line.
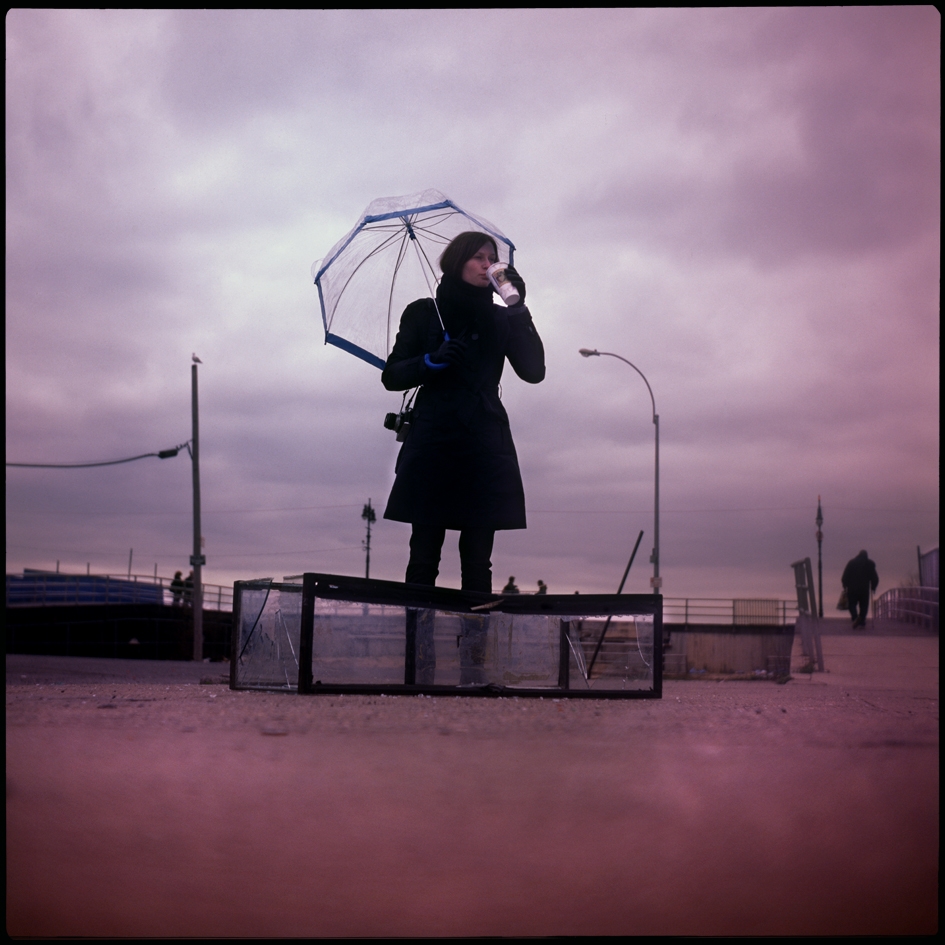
502,285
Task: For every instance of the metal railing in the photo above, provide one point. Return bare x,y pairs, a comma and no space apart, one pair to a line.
915,605
44,589
729,612
51,589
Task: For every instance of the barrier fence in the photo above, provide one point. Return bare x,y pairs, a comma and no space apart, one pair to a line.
42,588
48,589
915,605
765,612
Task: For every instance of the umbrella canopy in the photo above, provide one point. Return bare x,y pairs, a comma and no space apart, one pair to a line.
387,261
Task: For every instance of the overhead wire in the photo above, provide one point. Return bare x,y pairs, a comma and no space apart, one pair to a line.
162,454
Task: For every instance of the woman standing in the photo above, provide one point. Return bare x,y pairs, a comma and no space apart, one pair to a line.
457,468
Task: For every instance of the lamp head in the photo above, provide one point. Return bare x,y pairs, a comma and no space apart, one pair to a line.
588,352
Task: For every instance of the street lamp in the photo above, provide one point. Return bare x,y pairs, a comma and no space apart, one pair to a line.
656,582
820,564
197,559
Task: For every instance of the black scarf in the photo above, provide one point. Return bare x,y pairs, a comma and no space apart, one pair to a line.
465,309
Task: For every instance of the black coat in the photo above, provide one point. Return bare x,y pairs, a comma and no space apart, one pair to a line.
859,576
457,467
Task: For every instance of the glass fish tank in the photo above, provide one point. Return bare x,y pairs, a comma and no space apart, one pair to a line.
324,633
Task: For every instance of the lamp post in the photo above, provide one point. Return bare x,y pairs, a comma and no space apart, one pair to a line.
820,564
197,560
656,582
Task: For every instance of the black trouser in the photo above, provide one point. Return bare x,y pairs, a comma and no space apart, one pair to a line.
857,598
475,555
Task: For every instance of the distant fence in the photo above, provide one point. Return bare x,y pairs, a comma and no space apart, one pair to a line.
915,605
738,612
47,588
51,589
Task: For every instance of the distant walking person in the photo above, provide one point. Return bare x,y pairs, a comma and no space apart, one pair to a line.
189,589
542,588
511,587
177,589
859,578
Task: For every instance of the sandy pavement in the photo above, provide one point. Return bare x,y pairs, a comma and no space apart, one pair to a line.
144,802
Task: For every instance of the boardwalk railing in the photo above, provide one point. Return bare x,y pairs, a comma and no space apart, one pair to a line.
45,588
915,605
51,589
767,612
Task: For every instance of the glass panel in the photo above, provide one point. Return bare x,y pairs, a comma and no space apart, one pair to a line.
358,643
523,650
366,645
475,650
268,648
624,659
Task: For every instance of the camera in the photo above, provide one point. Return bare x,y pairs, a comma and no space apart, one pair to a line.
399,423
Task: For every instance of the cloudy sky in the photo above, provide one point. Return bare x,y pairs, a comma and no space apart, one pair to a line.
744,203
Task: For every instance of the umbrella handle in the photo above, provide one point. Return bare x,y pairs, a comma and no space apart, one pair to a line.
433,364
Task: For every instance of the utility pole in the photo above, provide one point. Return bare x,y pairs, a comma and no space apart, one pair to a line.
820,564
368,515
197,559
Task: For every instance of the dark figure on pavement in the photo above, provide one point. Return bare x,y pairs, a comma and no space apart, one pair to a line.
859,579
542,587
177,589
457,468
189,589
511,587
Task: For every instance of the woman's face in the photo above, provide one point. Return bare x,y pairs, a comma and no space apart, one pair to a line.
475,270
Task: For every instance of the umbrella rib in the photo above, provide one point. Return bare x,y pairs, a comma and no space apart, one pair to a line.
421,257
421,252
390,299
427,228
454,210
387,242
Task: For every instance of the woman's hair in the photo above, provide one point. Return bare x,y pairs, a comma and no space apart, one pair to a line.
461,250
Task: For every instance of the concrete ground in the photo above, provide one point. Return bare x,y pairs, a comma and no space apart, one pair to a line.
147,799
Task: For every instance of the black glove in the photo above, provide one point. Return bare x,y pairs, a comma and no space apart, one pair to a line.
450,352
511,273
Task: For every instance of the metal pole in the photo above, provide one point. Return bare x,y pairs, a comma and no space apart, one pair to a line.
603,632
196,559
657,580
820,564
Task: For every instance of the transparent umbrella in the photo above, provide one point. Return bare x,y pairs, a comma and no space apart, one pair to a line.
384,263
